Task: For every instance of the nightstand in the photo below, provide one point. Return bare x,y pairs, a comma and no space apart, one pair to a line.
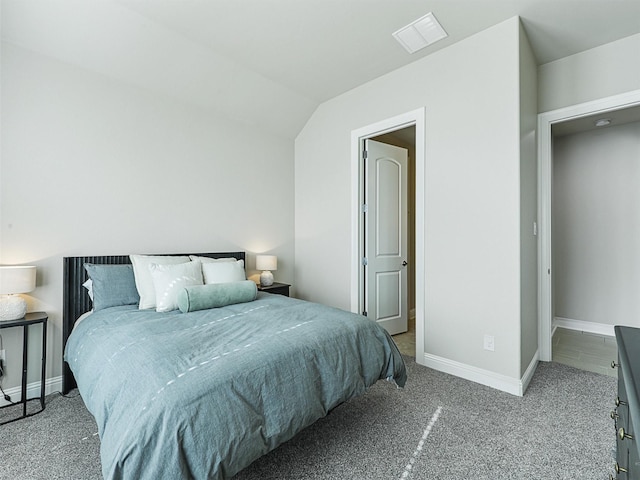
25,322
276,288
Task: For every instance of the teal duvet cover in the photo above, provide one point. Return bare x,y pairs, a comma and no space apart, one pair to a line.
202,395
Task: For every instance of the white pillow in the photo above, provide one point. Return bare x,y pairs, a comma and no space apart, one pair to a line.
169,280
89,286
211,260
142,274
223,272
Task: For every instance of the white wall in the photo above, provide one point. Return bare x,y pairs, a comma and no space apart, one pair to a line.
528,205
601,72
596,226
472,186
92,166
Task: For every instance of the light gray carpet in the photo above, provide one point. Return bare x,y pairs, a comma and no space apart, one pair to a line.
559,430
58,443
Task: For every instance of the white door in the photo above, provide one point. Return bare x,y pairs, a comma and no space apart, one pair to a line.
385,243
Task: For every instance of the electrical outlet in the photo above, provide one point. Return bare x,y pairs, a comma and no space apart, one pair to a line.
489,343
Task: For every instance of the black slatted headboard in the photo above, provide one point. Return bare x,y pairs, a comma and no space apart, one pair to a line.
76,301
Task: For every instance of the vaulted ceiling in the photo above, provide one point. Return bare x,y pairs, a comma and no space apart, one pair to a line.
272,62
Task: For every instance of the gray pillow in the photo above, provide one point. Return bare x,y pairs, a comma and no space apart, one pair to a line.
113,285
215,295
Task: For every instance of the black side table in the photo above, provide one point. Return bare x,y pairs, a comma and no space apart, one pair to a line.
277,288
28,320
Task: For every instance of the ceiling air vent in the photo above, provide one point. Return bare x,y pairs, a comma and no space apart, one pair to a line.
420,33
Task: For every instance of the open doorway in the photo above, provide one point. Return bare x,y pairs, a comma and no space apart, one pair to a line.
414,120
595,215
405,138
570,120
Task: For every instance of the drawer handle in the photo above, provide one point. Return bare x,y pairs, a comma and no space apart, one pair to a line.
622,434
614,364
620,469
614,415
620,402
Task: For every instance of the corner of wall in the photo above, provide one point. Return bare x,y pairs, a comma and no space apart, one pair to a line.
528,202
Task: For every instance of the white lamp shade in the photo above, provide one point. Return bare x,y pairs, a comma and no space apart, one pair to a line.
17,279
266,262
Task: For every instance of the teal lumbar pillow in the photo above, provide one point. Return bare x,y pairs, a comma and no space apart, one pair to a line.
215,295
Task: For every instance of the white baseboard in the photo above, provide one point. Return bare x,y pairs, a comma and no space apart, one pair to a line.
583,326
491,379
528,374
33,390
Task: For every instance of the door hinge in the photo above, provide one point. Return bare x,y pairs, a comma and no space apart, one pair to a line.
365,208
365,262
364,313
364,154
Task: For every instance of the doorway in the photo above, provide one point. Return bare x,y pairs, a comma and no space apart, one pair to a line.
547,121
406,131
389,223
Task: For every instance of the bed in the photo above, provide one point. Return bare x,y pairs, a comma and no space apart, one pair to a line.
205,393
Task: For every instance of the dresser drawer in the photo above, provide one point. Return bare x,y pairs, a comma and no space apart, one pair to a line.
623,442
627,416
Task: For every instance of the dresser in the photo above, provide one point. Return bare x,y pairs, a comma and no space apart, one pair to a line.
627,412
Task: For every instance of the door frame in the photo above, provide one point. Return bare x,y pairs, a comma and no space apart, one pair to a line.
545,178
418,118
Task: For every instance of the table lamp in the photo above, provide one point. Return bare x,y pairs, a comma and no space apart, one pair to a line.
266,263
15,280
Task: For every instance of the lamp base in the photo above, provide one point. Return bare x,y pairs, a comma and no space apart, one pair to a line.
12,307
266,278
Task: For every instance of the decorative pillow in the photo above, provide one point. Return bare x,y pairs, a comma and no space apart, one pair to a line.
169,280
112,285
89,286
216,295
211,260
223,272
144,282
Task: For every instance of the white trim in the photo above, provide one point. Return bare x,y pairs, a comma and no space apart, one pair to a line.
584,326
33,390
417,118
528,374
491,379
545,168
